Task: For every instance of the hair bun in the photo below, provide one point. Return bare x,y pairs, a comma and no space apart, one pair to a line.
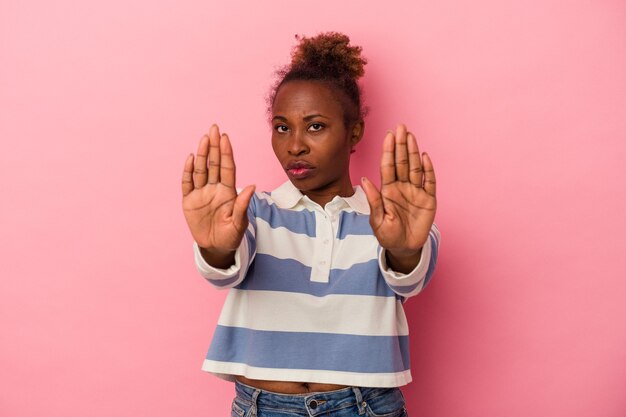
329,58
329,53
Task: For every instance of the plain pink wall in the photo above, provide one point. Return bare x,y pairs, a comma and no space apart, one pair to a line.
521,104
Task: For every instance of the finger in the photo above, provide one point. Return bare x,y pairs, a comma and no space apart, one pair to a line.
415,163
429,176
199,170
375,200
387,165
187,182
241,204
214,155
227,163
401,154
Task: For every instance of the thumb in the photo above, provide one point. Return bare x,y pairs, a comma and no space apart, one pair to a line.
241,203
375,200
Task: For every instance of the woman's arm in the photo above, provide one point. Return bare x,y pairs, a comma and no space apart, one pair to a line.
215,213
403,211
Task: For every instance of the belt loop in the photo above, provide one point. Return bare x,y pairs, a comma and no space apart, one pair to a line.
360,404
253,408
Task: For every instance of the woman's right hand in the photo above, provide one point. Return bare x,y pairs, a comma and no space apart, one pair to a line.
216,215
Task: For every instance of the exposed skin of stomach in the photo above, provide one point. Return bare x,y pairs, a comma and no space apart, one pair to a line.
287,387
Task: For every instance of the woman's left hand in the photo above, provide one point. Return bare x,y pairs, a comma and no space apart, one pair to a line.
403,211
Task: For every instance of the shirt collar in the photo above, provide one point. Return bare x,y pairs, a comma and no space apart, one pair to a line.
287,196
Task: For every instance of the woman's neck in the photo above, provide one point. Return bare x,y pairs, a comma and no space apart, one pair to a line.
326,194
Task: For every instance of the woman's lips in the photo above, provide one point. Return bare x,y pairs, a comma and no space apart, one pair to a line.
299,170
299,173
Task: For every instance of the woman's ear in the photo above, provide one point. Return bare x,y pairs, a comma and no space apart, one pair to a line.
357,132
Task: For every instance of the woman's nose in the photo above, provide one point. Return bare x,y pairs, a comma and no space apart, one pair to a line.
297,144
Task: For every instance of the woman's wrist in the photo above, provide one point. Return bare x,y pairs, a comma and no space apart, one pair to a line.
403,261
217,258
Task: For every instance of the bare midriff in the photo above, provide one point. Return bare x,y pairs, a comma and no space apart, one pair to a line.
287,387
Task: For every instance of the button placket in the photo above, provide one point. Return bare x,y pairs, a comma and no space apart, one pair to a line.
322,251
327,247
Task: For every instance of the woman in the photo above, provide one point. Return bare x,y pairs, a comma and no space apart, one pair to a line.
318,270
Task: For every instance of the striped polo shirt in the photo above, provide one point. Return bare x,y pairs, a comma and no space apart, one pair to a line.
311,298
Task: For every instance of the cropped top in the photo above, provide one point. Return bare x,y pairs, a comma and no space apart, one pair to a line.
311,298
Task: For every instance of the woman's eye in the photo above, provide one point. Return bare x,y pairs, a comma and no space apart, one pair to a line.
281,128
315,127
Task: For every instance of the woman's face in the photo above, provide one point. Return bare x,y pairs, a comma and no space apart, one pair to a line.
310,139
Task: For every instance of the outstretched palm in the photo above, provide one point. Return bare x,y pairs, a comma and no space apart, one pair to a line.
216,215
403,211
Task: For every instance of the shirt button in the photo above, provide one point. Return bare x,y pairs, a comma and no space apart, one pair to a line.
313,405
322,262
326,241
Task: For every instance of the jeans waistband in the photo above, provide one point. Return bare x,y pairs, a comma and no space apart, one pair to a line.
313,403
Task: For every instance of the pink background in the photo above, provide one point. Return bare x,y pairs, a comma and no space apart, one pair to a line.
521,104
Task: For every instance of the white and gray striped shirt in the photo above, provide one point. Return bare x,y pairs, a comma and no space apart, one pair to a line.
311,297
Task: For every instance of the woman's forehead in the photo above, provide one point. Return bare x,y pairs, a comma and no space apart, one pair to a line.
302,98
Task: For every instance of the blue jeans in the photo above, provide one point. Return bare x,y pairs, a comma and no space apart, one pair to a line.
347,402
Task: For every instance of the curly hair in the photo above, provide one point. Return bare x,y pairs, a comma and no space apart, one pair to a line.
328,58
